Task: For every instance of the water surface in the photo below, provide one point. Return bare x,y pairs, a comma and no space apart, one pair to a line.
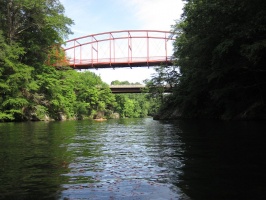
132,159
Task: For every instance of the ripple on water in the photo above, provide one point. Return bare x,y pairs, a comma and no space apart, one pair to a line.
126,161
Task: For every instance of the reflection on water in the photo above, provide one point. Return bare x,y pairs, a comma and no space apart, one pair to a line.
224,160
132,159
31,160
124,159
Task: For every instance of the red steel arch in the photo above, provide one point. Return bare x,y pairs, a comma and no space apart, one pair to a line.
126,48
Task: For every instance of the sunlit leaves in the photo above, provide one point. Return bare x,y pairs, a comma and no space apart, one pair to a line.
15,102
31,88
6,117
36,25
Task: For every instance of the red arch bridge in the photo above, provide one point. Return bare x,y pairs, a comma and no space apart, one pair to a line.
128,48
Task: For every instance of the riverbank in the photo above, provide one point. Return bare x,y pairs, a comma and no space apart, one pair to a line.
174,112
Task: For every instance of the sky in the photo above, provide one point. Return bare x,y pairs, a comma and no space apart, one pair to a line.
97,16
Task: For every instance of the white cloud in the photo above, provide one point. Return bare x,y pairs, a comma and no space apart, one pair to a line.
156,14
93,16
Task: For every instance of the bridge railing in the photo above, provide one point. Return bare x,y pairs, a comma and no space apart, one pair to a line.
120,48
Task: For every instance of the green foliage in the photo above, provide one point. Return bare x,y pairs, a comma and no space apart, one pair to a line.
134,105
31,33
220,50
34,24
28,30
165,76
6,117
14,78
93,95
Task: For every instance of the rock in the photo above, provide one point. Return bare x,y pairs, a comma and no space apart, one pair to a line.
115,116
61,116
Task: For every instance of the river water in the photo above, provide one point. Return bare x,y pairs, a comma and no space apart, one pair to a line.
133,159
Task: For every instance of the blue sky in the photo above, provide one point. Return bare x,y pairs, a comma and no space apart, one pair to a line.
96,16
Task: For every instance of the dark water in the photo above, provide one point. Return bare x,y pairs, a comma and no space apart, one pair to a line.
133,159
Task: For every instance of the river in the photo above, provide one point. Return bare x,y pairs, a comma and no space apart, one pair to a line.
133,159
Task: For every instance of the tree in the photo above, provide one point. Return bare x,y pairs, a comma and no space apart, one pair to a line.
14,82
133,105
28,29
220,50
36,25
165,76
117,82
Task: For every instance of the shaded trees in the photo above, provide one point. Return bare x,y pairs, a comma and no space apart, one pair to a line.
165,76
220,50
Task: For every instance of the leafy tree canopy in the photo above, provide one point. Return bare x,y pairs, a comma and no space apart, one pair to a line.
31,88
220,51
34,24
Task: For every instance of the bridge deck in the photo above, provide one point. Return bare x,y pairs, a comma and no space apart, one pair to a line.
88,64
132,88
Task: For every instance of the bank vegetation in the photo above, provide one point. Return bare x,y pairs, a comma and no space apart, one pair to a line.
31,88
220,60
